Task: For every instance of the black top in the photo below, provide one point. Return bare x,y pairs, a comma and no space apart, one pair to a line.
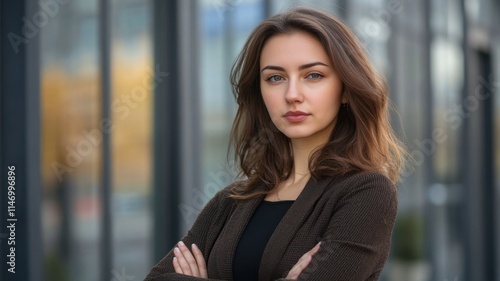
251,246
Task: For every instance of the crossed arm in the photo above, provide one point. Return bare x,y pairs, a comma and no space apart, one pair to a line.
354,246
193,263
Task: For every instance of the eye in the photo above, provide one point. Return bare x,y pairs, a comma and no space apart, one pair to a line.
315,76
275,78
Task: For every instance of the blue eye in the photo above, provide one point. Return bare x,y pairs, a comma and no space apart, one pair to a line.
275,78
315,76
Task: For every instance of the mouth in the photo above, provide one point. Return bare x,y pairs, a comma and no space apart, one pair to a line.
296,116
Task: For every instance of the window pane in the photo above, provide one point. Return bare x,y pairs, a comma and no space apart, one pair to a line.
71,142
131,106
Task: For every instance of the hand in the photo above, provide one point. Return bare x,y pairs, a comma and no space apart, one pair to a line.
185,263
302,263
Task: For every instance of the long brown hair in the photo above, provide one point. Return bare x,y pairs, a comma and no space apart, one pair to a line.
362,139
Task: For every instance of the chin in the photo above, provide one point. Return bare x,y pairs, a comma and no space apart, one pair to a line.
297,135
307,133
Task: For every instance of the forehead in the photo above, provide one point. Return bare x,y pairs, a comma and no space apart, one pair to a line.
292,49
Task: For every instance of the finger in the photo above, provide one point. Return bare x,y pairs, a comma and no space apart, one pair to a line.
177,267
186,269
315,249
306,259
309,253
200,260
303,262
189,259
299,267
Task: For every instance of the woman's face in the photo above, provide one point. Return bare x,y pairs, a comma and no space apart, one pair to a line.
300,88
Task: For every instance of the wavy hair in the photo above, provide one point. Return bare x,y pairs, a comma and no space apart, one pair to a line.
362,139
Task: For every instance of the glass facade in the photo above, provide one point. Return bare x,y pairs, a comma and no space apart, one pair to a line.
70,143
132,84
441,59
72,140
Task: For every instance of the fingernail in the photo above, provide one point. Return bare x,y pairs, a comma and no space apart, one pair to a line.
319,243
181,243
175,259
177,250
194,245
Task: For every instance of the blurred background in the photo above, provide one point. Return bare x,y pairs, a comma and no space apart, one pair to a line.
116,114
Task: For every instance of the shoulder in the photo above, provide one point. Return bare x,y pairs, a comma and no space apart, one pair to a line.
223,196
366,196
364,185
219,201
368,179
218,206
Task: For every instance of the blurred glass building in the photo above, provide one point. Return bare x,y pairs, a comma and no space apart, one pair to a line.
116,115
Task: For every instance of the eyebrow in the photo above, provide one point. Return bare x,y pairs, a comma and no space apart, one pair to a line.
302,67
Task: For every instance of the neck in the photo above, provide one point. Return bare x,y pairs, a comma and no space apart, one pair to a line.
303,149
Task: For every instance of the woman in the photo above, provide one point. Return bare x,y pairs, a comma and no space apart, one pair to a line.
314,143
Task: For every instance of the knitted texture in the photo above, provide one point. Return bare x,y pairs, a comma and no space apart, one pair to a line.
353,217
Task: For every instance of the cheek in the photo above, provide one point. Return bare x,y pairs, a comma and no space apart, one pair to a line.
270,102
330,106
335,98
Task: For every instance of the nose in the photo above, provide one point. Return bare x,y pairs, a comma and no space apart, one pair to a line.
294,92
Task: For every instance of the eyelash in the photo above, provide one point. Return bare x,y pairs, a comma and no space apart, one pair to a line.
319,76
273,76
315,73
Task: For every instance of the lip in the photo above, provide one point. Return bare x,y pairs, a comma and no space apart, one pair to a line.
295,116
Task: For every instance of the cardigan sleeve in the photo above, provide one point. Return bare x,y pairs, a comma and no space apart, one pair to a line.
357,241
203,233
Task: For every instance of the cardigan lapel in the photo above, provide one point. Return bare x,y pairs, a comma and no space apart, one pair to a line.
289,225
234,228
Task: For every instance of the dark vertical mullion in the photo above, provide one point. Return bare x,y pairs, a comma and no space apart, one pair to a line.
167,160
429,176
33,144
268,8
105,60
20,139
464,152
488,176
189,97
1,69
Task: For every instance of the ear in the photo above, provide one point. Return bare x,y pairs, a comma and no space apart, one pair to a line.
344,97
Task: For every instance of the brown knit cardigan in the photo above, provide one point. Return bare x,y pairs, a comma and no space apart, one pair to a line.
353,217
